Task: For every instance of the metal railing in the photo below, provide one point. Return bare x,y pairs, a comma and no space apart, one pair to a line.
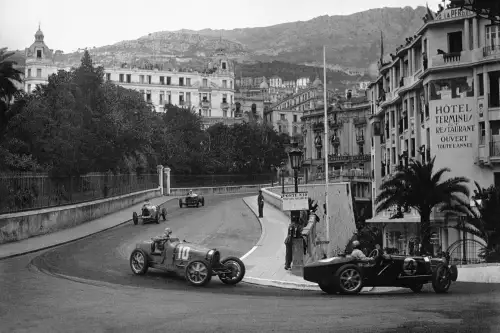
28,191
185,181
495,148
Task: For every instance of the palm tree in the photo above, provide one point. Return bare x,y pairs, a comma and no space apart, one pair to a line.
482,218
8,76
419,187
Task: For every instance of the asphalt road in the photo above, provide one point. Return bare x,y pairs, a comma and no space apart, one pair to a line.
87,286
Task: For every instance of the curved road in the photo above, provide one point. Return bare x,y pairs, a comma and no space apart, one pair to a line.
87,286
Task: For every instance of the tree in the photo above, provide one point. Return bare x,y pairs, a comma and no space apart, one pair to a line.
482,219
419,187
9,76
489,9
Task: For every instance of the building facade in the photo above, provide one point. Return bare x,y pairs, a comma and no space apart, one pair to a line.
438,96
210,94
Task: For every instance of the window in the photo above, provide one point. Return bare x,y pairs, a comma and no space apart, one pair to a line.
39,54
161,98
149,79
148,96
188,97
412,107
29,87
230,84
181,81
294,131
205,83
413,147
455,42
282,116
482,133
224,84
29,72
108,76
162,80
224,65
169,98
497,179
480,83
121,78
169,80
224,98
361,149
279,128
38,72
181,98
205,97
129,78
188,81
295,118
492,35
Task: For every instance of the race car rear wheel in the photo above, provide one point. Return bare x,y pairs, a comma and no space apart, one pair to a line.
328,288
237,268
417,287
138,262
203,201
135,218
180,203
349,279
441,279
198,273
164,214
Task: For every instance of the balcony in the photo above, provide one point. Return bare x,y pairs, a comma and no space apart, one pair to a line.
224,106
205,104
185,104
360,139
451,59
343,176
334,124
205,89
491,52
349,158
359,121
317,127
495,151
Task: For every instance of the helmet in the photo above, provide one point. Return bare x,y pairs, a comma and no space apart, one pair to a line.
355,244
167,231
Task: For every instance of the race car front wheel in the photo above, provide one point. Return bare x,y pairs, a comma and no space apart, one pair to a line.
441,279
135,218
138,262
198,273
164,214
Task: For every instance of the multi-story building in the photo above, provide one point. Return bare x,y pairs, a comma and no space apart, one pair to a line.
305,99
348,144
275,82
210,93
285,121
439,97
303,82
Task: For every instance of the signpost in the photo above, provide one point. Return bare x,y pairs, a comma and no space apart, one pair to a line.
295,201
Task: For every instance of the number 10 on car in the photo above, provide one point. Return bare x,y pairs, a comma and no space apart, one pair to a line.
183,253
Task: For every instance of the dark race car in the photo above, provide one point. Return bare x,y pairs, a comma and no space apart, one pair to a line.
192,200
195,262
149,213
348,275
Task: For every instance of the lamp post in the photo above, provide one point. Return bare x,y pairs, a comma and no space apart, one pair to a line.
296,156
281,169
272,174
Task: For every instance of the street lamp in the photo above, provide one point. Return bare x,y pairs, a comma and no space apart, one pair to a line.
296,156
273,168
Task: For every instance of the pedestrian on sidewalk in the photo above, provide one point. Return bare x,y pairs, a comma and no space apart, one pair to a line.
260,202
294,231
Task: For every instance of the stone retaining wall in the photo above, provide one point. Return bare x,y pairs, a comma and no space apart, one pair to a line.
218,190
22,225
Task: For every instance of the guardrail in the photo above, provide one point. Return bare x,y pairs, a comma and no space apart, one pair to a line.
218,189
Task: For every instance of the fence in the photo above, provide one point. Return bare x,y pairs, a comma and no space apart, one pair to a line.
185,181
28,191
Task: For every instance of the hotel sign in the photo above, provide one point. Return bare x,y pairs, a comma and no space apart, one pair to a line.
454,123
453,14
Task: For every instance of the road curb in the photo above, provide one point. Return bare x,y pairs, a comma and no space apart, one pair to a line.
262,229
71,240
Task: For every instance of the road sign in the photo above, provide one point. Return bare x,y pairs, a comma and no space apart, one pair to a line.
295,201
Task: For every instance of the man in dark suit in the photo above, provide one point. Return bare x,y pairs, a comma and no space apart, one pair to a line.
260,202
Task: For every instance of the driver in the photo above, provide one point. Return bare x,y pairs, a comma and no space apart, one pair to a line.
159,241
145,208
357,253
191,194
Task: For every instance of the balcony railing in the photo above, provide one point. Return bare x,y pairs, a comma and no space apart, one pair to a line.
334,124
318,126
349,158
224,106
205,104
495,149
453,58
492,50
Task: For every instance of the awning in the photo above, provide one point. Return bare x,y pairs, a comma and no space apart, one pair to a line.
386,219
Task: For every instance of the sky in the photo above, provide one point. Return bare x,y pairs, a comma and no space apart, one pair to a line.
69,24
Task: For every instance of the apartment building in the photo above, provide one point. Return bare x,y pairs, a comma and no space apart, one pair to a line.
438,95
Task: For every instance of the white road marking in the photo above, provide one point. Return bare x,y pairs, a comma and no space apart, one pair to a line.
249,252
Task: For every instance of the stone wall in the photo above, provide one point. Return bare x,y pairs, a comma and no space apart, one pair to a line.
218,190
18,226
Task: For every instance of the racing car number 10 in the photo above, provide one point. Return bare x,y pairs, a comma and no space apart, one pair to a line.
183,253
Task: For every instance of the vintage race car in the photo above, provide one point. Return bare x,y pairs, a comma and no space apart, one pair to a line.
149,213
192,200
348,275
195,262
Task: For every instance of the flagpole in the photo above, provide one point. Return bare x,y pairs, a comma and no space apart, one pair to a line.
327,219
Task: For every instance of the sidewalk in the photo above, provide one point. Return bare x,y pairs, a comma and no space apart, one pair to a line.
83,230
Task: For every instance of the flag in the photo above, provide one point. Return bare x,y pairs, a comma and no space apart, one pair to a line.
429,12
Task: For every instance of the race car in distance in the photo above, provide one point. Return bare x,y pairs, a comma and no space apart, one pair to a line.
149,213
192,200
195,262
347,275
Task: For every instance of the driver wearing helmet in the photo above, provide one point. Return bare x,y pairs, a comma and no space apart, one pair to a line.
159,241
357,253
